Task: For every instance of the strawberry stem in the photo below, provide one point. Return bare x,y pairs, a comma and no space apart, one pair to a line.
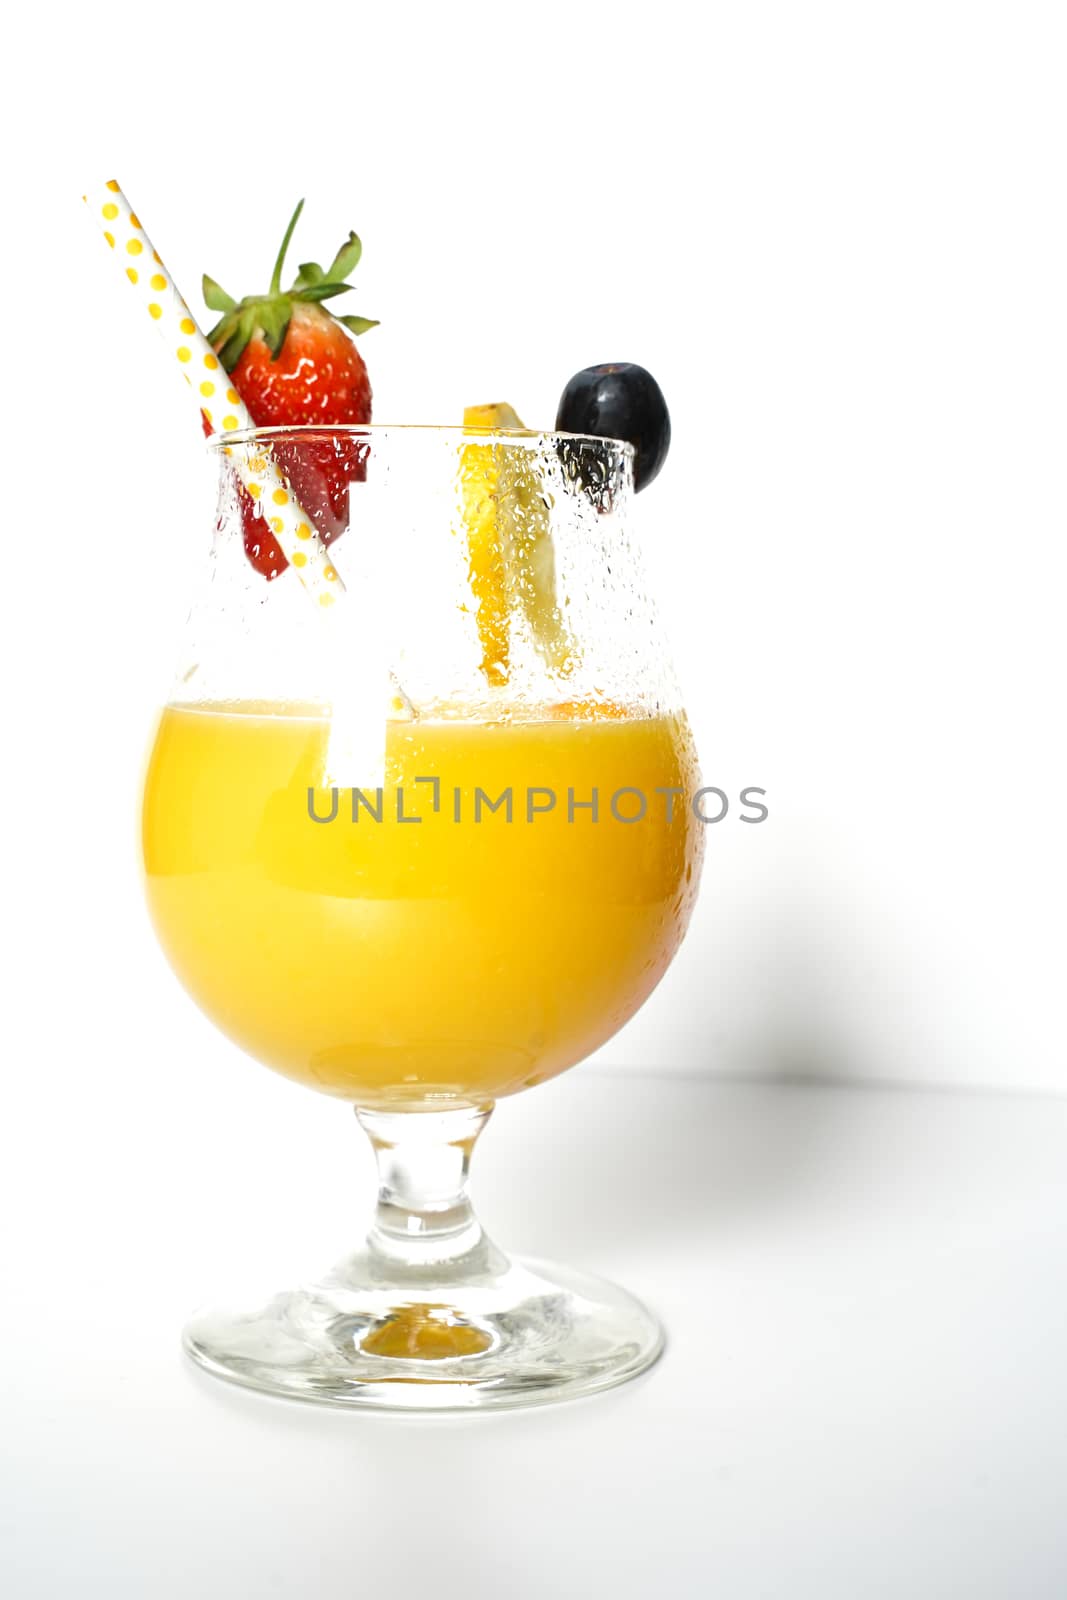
276,280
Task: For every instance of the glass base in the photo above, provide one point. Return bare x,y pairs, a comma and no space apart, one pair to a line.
507,1334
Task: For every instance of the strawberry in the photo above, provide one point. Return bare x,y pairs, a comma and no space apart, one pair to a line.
293,363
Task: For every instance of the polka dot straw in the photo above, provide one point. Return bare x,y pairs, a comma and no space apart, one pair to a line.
217,399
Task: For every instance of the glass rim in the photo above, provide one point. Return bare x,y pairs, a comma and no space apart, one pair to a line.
449,430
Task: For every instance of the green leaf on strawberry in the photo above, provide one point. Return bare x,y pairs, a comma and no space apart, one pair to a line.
274,319
347,259
310,272
358,324
215,296
269,316
322,291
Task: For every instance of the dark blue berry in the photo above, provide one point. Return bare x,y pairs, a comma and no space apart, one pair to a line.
620,401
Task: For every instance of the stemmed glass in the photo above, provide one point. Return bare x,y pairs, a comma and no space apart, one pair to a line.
423,849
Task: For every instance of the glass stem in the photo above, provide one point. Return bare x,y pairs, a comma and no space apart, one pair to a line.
424,1217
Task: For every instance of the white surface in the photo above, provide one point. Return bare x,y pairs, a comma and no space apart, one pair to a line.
833,231
863,1393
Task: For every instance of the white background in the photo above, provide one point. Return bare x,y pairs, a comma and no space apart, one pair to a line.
837,236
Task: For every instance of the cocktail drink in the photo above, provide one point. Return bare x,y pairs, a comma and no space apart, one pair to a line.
395,960
420,851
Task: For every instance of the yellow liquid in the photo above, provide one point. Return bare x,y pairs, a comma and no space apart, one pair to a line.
402,964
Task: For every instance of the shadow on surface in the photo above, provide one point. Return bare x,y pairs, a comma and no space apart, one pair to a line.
624,1156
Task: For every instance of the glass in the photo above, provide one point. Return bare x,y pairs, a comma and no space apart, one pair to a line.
422,848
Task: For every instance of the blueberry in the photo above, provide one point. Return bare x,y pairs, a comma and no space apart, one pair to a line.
620,400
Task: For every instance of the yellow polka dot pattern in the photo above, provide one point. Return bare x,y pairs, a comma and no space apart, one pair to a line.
176,325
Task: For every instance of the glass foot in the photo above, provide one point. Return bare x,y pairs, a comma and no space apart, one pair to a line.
430,1315
517,1334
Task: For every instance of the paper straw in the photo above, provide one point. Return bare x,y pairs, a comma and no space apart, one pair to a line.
220,403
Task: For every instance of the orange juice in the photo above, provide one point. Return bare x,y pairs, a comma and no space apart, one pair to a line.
397,962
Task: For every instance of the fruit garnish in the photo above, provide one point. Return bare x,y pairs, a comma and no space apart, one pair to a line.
501,417
530,558
620,400
479,487
509,544
294,362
